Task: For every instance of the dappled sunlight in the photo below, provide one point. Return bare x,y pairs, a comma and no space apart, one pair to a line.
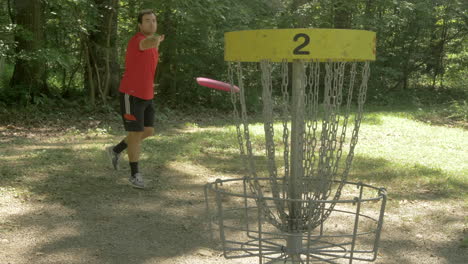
100,231
416,147
61,201
33,223
439,238
198,173
405,181
197,129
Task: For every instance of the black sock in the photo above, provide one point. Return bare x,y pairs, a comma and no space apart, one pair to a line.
134,168
120,147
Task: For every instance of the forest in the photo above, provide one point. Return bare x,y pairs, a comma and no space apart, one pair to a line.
64,198
73,51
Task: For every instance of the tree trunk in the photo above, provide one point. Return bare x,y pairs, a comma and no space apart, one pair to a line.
408,57
133,6
89,81
342,14
369,14
368,11
167,68
440,69
29,76
2,63
102,73
435,64
302,20
10,12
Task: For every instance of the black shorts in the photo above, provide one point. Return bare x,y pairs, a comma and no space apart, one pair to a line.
136,113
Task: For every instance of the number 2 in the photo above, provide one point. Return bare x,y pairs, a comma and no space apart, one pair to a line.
298,50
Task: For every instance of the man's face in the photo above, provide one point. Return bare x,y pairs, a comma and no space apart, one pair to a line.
148,24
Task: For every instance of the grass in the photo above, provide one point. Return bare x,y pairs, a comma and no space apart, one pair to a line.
413,156
62,162
413,159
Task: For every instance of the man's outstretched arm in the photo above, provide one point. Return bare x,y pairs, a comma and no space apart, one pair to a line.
151,42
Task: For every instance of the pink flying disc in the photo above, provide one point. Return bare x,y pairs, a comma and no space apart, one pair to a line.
218,85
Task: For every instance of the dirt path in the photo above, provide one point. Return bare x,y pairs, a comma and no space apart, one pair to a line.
82,212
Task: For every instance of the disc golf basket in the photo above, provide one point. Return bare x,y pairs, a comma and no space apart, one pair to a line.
295,204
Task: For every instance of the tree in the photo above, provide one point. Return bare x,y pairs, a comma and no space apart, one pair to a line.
342,13
420,43
29,77
102,72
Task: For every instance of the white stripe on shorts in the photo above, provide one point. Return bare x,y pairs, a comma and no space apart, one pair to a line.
127,104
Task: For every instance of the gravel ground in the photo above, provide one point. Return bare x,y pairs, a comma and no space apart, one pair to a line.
167,227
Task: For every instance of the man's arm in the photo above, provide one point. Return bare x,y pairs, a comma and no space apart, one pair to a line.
151,42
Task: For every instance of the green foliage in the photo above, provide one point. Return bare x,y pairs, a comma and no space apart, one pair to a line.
464,242
421,45
67,24
453,113
458,110
456,71
5,75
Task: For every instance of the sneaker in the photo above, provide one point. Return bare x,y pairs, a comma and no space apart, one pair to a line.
113,157
137,181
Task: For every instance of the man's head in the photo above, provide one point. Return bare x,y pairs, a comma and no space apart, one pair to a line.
147,22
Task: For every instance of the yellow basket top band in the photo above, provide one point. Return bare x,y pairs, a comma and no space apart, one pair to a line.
300,44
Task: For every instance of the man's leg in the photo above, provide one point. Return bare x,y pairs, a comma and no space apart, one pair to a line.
114,152
147,132
129,111
133,151
133,141
138,117
134,145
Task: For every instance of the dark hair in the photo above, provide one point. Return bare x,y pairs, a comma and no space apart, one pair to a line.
144,12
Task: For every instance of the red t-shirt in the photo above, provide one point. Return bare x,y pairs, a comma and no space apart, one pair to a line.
140,67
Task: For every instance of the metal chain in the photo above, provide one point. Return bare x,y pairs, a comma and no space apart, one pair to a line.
268,118
245,121
254,185
236,115
324,137
322,150
312,82
285,118
314,211
357,122
343,133
299,134
338,93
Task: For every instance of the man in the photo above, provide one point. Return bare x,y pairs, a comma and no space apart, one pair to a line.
136,94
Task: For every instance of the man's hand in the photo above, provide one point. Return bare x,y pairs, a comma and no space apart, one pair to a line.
151,42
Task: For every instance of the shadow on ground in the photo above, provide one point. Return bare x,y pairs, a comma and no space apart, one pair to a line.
94,215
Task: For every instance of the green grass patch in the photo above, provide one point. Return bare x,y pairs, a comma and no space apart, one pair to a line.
412,159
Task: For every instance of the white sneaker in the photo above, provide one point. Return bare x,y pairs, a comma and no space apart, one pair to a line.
137,181
113,157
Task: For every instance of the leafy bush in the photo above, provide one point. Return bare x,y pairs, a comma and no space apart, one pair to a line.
458,110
